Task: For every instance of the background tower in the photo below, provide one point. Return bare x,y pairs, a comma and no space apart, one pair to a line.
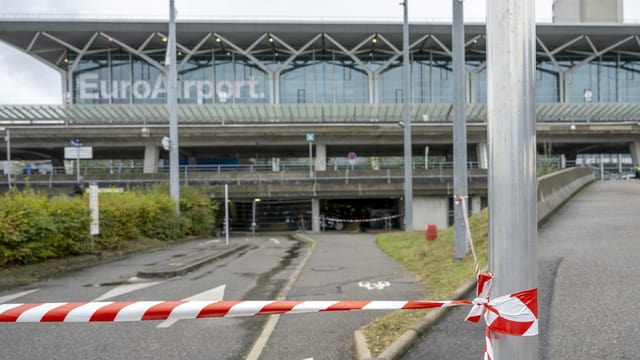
587,11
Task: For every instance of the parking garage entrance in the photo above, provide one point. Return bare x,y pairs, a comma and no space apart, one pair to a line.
270,215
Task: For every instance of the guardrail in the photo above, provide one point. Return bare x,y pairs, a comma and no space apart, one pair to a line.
347,177
556,188
384,171
100,167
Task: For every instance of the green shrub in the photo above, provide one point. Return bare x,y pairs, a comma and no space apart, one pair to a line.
34,226
199,211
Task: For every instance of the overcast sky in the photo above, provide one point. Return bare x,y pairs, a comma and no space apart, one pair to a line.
27,81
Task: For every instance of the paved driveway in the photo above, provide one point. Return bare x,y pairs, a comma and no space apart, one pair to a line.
588,283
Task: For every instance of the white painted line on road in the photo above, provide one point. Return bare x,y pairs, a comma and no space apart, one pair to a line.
4,299
209,242
125,289
380,285
215,294
268,328
276,241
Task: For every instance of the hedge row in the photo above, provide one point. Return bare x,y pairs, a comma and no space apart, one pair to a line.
36,226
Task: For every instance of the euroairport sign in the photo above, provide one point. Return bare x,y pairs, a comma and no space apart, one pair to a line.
91,87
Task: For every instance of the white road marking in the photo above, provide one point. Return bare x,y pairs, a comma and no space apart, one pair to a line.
276,241
4,299
374,286
215,294
125,289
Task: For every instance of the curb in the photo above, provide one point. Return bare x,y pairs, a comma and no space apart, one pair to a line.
171,269
404,342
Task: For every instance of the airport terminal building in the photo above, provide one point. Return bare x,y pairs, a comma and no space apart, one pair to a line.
316,65
121,62
250,91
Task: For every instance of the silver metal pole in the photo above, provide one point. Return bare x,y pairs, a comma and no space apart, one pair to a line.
78,164
460,182
601,167
172,99
226,213
511,130
310,159
253,218
406,113
7,138
620,164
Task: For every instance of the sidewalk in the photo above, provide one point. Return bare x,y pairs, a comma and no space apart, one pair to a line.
587,283
343,266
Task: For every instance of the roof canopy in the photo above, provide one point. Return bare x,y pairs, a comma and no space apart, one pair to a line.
52,40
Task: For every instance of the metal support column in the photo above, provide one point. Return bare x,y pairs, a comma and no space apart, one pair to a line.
511,131
406,112
7,139
315,215
226,214
172,98
460,182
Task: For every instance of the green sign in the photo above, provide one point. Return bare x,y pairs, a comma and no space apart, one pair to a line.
311,137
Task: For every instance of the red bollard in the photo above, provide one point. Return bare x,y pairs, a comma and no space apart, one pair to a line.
431,232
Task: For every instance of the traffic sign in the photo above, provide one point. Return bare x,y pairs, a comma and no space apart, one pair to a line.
311,137
80,152
166,143
352,156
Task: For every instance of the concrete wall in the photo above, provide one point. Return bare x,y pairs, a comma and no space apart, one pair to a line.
602,11
151,157
554,189
634,149
430,210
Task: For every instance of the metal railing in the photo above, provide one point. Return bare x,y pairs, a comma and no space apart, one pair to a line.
337,172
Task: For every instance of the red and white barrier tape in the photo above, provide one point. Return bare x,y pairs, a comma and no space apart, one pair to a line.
506,314
389,217
462,201
516,314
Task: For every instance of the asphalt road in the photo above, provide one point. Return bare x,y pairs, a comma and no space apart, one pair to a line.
258,272
588,291
341,266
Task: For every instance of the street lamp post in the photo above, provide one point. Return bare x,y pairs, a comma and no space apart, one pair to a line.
460,178
406,110
511,130
310,159
254,223
172,99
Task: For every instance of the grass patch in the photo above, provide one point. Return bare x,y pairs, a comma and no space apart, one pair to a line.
432,262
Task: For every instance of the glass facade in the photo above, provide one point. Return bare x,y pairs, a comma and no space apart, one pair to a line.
217,77
324,78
